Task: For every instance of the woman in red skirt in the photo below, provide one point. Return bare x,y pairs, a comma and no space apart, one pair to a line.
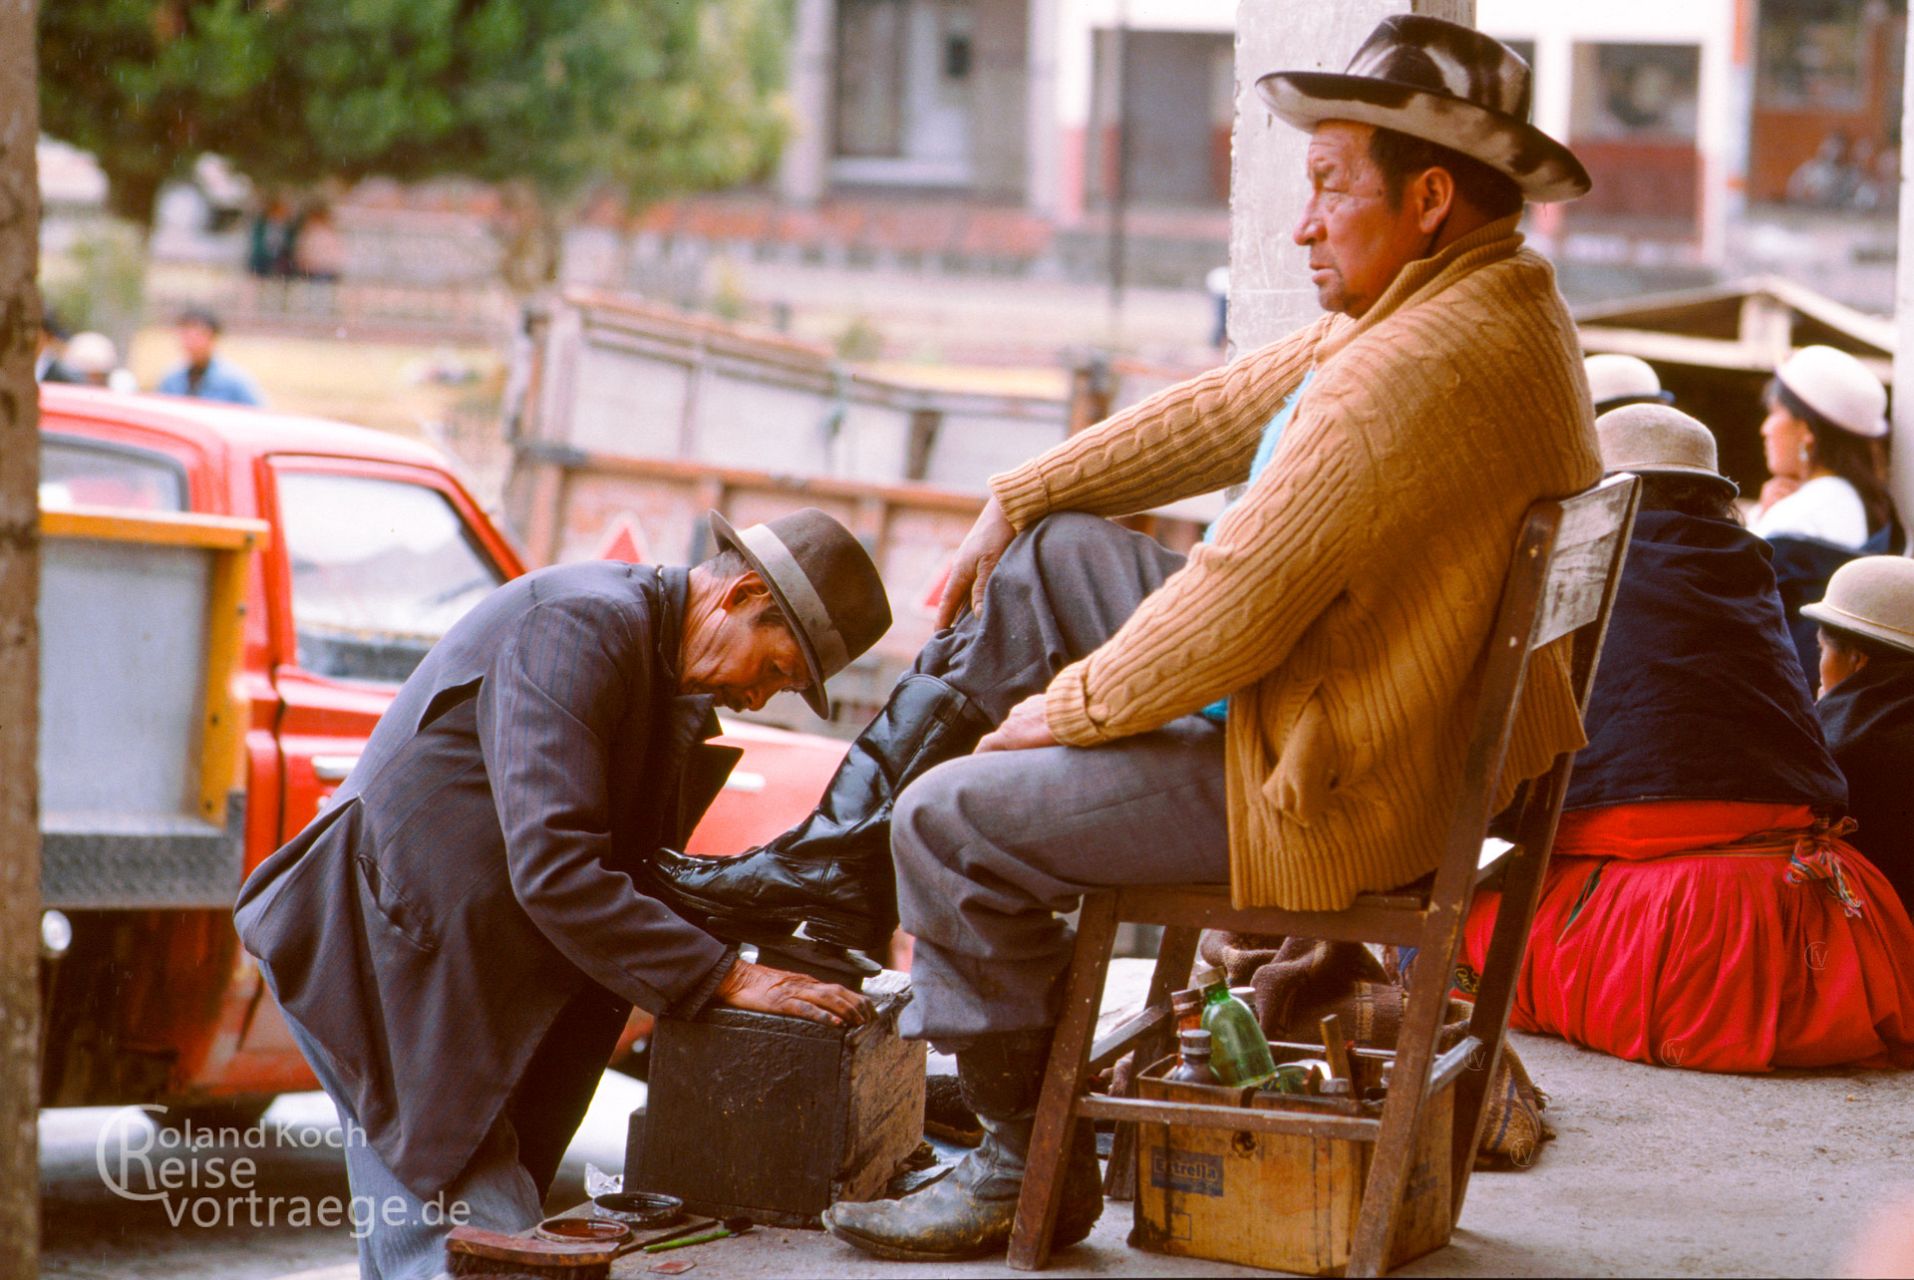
1702,908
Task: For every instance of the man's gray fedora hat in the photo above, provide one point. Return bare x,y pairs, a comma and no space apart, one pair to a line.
1443,83
1871,597
1658,439
825,584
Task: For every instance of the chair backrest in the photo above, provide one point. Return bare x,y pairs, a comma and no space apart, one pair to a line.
1561,583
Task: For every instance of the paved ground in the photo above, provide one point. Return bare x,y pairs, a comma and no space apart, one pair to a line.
1654,1172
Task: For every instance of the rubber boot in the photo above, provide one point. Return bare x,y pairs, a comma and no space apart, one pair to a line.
833,870
970,1214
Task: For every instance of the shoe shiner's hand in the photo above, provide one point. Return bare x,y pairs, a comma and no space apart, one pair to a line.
1025,728
768,990
976,556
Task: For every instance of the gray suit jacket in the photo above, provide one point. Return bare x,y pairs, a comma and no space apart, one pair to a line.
464,929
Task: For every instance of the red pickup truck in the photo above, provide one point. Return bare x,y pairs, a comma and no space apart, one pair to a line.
375,549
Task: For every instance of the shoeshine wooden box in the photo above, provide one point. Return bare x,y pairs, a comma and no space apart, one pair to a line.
1287,1202
777,1118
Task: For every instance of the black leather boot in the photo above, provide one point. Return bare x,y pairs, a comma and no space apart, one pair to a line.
833,870
970,1213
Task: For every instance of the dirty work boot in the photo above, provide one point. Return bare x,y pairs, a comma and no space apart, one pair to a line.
833,870
970,1213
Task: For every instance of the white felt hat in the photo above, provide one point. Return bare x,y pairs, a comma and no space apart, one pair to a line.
1838,387
1614,381
1872,597
90,352
1651,439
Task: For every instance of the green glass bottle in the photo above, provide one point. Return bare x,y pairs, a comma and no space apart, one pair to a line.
1239,1051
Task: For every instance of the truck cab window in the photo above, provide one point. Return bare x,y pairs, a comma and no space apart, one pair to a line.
380,570
80,473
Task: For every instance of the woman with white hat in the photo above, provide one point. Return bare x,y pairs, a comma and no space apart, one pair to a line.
1867,704
1700,859
1826,416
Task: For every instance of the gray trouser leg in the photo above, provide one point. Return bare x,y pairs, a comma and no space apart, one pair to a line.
989,848
402,1237
1062,588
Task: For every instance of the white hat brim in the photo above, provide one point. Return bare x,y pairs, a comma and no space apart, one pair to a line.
1546,171
1822,611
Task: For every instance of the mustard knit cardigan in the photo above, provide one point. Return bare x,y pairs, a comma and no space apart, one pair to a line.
1345,601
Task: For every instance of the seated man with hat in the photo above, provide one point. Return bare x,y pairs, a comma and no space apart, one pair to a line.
1287,706
1702,908
457,940
1867,704
1286,709
1340,607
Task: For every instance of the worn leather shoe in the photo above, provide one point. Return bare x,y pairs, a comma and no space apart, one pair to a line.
970,1213
833,870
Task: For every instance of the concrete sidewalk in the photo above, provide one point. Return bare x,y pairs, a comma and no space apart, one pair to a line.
1655,1172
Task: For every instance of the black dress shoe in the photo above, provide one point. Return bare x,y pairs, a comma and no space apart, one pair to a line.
833,870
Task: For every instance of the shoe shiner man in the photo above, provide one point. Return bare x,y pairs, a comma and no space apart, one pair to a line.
1341,606
458,939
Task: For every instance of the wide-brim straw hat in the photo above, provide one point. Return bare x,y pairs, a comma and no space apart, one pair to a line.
1444,83
1871,597
1658,439
1838,388
1616,380
825,585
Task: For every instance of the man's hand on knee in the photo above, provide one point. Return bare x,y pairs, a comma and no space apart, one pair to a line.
976,557
1025,728
768,990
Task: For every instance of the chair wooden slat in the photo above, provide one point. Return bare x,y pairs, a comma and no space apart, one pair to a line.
1208,907
1240,1119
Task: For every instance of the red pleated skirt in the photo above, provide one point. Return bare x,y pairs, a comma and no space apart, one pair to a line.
1713,936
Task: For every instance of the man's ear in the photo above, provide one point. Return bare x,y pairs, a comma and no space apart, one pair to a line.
746,592
1435,199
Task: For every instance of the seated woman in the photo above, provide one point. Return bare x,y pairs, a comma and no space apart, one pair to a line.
1702,908
1867,705
1825,413
1826,500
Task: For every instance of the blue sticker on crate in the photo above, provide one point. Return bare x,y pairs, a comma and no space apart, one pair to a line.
1190,1172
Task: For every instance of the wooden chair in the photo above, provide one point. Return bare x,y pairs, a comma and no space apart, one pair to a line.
1562,581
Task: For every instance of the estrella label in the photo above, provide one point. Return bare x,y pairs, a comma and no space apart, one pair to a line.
1190,1172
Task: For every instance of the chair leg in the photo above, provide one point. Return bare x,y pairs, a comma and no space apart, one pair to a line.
1396,1140
1174,955
1063,1083
1501,975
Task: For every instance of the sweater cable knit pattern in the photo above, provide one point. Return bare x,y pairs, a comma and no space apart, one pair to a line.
1344,603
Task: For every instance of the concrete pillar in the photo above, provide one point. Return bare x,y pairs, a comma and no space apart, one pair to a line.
1270,293
1043,141
1076,53
1001,98
1901,442
19,646
804,171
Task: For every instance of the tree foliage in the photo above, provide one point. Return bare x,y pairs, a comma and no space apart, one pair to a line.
542,97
